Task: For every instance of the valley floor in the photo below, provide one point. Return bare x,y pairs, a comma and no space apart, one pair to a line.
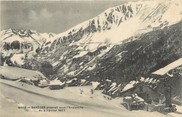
71,103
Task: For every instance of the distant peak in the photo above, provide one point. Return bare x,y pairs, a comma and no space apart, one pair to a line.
23,32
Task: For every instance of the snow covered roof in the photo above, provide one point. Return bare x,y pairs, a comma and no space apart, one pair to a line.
55,63
108,80
150,81
169,67
30,79
115,91
83,80
142,79
113,84
56,82
95,84
69,81
139,98
129,85
147,80
112,88
180,74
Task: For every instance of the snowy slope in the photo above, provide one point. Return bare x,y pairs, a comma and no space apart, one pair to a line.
28,40
109,28
16,73
18,44
69,97
81,46
121,22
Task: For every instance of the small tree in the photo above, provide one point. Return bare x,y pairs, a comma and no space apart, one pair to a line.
46,68
7,46
2,59
15,45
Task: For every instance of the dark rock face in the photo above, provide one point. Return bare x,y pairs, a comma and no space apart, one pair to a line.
143,56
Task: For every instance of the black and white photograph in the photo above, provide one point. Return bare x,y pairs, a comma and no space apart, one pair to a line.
91,58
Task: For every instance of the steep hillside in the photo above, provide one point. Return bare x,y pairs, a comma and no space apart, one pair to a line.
28,42
26,39
175,82
143,56
95,44
122,43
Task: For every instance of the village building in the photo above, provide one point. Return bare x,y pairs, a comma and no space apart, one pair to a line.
158,88
56,84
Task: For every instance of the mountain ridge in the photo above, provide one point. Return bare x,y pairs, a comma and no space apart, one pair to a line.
80,48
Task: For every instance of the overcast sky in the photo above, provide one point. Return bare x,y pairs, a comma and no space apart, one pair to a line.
57,16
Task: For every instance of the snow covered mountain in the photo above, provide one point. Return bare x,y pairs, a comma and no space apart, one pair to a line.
16,43
121,22
27,39
81,48
110,45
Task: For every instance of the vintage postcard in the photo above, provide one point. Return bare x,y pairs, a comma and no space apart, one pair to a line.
95,58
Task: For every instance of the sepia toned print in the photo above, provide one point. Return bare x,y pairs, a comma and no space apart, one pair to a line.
91,58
